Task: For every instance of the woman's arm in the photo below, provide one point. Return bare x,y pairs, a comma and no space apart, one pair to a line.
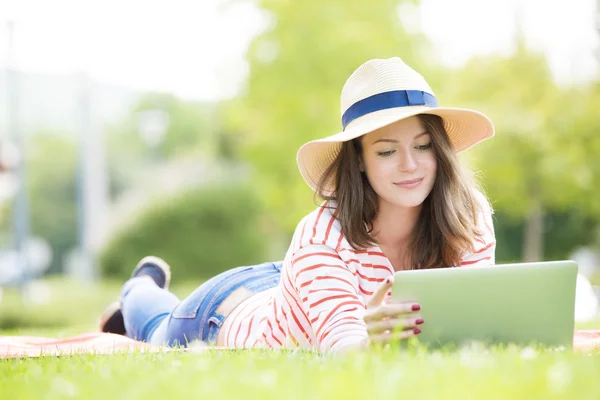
337,313
329,298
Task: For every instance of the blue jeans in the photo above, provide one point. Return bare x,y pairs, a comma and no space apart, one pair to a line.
155,315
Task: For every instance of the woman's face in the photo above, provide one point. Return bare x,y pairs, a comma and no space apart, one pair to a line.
400,162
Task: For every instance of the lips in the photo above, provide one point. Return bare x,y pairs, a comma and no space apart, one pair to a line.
410,184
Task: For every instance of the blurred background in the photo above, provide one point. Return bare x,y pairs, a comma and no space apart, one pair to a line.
133,127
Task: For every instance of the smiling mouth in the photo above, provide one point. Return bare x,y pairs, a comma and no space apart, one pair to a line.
413,183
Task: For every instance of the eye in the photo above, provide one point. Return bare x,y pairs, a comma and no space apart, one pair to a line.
386,153
424,146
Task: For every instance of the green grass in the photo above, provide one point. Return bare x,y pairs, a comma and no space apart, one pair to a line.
471,373
501,374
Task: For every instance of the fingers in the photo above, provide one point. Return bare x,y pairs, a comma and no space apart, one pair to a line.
393,324
377,298
390,336
390,310
400,301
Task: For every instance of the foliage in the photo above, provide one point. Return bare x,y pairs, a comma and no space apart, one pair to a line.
191,129
189,124
533,155
199,233
51,182
52,164
564,232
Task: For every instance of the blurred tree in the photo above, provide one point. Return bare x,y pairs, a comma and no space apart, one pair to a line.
575,117
189,126
563,233
200,232
296,72
190,123
52,184
541,160
51,170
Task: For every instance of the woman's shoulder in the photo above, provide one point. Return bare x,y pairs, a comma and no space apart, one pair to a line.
319,227
481,201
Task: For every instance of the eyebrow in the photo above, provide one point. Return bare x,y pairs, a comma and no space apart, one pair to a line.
395,141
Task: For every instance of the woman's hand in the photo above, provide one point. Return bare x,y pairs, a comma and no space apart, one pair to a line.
392,321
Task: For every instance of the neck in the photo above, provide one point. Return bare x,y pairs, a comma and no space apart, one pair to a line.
393,226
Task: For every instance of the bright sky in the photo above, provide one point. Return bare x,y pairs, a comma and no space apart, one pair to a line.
195,48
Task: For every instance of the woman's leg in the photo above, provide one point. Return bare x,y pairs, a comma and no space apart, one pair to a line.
154,315
144,306
198,317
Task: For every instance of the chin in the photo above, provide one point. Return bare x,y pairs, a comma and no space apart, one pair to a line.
405,204
410,201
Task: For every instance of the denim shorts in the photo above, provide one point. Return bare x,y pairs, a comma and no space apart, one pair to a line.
196,316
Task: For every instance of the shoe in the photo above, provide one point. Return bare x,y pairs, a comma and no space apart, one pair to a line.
111,320
156,268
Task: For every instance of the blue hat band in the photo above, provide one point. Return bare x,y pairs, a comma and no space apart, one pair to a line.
385,100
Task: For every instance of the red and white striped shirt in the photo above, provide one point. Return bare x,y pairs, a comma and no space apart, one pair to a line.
325,283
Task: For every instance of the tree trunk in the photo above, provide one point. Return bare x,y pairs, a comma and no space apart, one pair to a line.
533,240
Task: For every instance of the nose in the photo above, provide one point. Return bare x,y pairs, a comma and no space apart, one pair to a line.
408,162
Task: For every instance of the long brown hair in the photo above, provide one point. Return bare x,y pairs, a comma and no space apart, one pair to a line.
447,224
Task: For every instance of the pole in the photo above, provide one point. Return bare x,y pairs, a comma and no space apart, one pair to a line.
20,203
86,270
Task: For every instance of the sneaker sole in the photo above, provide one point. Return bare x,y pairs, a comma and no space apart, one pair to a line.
160,263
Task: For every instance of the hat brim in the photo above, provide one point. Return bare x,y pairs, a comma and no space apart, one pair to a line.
465,129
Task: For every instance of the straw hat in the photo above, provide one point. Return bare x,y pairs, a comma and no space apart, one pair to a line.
379,93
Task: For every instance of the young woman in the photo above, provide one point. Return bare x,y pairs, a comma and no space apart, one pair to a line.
396,198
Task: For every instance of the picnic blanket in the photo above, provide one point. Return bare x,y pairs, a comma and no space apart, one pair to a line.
109,343
86,343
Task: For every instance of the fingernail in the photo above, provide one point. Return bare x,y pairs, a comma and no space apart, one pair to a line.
417,331
416,307
419,321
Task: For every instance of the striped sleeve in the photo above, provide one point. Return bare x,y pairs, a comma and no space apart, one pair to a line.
329,297
485,246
